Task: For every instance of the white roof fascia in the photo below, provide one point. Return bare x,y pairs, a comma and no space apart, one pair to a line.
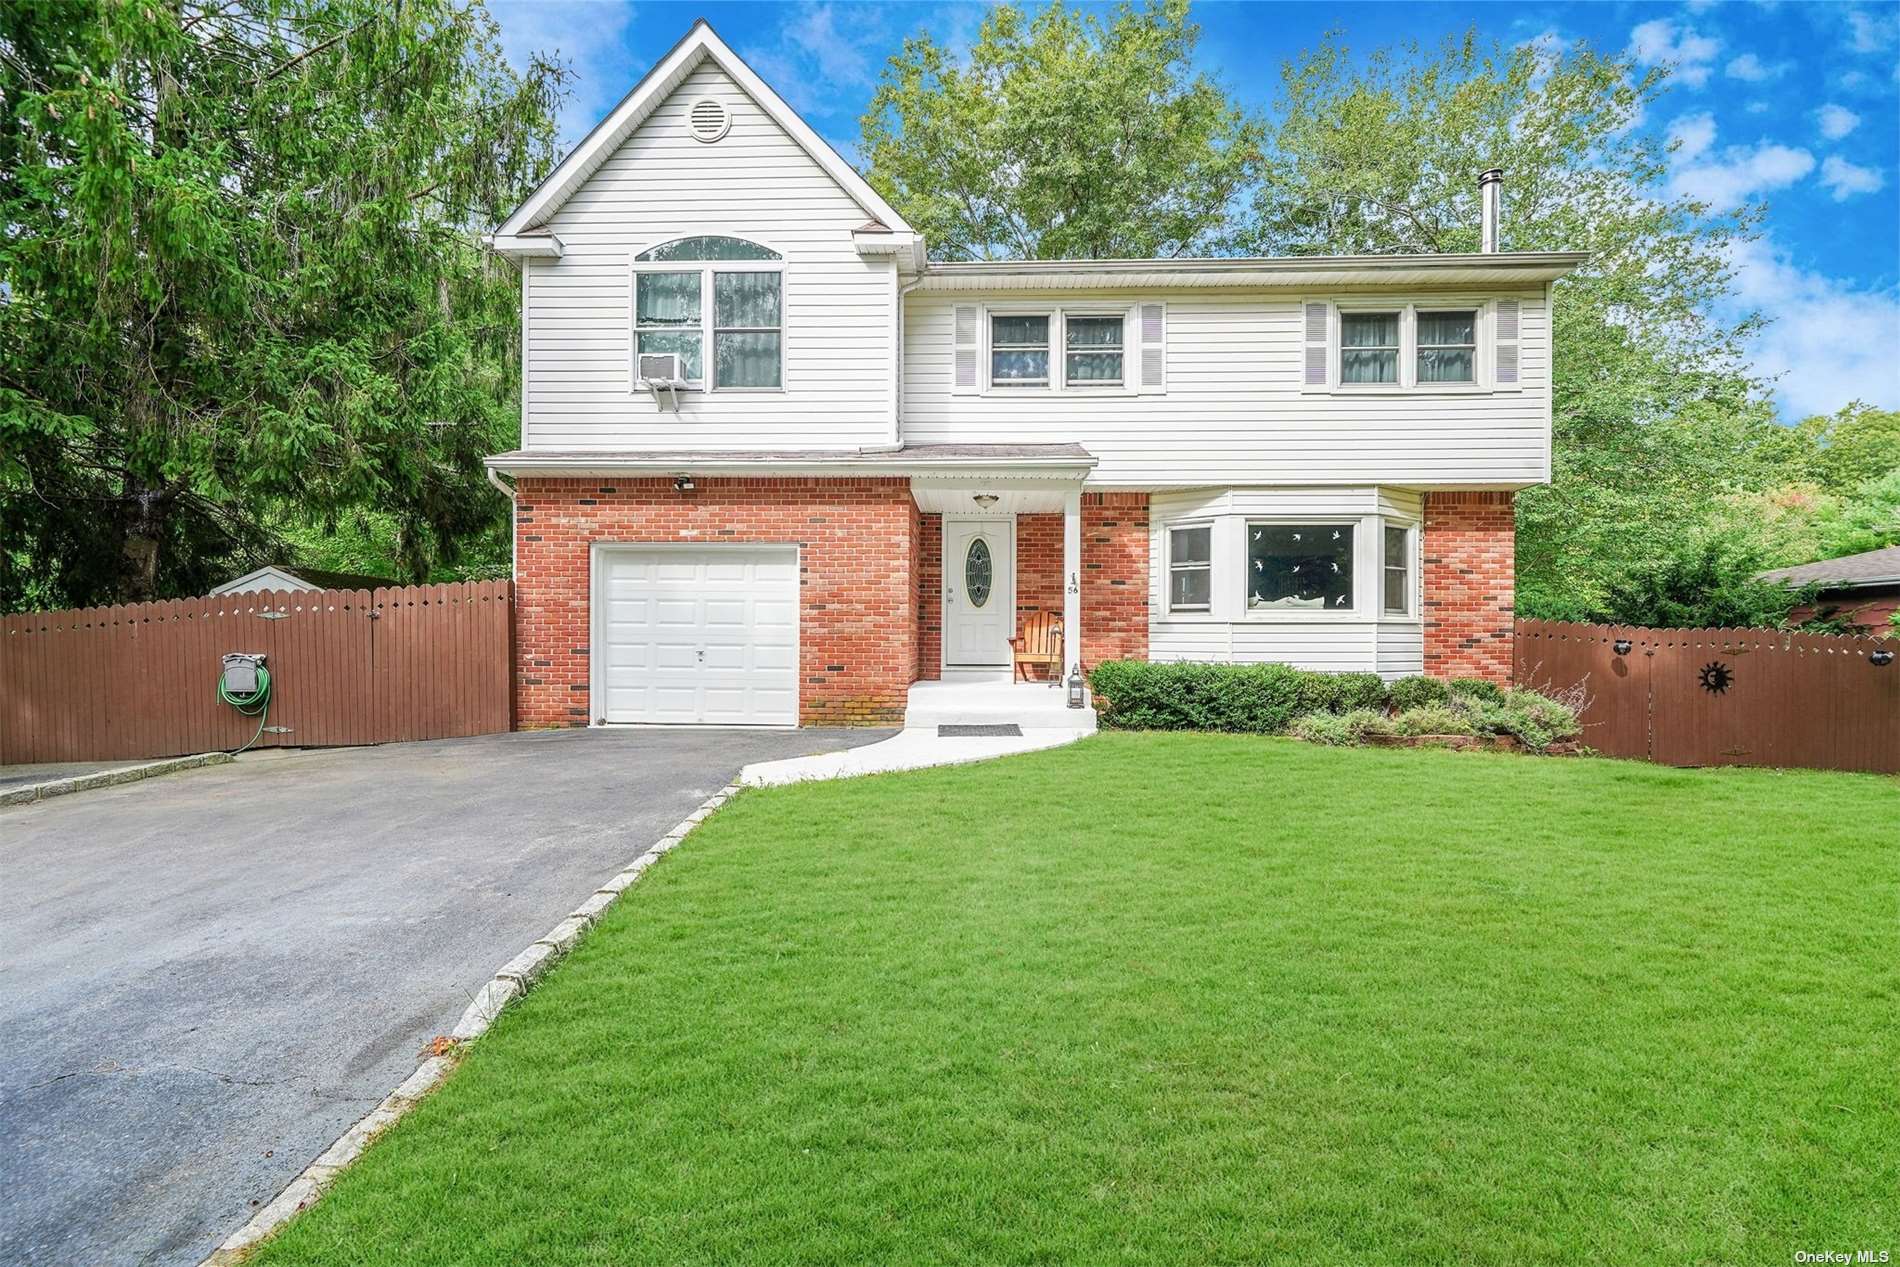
699,43
535,245
1290,271
1051,468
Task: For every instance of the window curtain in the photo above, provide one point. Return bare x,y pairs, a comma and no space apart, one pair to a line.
747,356
1369,347
1446,341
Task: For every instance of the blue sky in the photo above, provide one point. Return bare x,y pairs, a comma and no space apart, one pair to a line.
1797,104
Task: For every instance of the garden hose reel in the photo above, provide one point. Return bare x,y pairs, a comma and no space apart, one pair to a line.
244,684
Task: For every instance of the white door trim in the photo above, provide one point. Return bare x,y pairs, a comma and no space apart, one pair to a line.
596,639
1005,565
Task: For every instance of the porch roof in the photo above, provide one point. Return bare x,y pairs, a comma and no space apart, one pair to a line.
1015,461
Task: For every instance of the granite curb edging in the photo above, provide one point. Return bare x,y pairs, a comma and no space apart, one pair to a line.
514,979
111,778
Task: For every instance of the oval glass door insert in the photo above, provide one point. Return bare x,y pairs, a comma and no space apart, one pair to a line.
976,573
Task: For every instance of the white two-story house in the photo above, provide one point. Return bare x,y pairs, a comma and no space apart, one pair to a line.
776,466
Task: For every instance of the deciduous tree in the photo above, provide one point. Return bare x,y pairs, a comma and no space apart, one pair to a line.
1065,135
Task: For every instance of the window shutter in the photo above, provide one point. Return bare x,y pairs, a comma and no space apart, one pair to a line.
1504,343
965,380
1316,338
1153,342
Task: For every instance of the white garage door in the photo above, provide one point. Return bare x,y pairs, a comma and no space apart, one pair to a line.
693,635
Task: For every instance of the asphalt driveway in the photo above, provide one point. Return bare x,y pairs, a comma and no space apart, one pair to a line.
204,979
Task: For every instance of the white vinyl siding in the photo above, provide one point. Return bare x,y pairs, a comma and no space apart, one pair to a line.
1362,639
838,312
1235,410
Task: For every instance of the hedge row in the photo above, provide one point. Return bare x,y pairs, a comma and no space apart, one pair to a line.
1255,699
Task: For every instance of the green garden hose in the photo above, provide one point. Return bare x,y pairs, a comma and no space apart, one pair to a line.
255,704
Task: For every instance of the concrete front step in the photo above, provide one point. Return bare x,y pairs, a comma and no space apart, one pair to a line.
1031,705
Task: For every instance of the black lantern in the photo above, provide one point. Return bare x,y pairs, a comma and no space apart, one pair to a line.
1075,689
1621,646
1881,658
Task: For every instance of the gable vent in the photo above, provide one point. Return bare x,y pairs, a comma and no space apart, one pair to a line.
708,120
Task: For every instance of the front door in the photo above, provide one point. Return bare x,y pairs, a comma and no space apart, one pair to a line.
979,592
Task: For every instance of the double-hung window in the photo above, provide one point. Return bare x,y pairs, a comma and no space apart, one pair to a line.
1448,346
1093,351
1368,347
1190,568
1405,347
717,295
1397,572
1019,349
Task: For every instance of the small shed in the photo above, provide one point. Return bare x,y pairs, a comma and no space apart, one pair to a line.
283,576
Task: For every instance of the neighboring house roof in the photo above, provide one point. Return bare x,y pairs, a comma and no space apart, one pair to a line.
655,86
1854,571
281,576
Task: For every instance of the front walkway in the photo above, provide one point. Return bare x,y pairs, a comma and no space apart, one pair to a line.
937,730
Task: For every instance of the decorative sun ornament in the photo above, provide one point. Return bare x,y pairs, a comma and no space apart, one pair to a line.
1716,677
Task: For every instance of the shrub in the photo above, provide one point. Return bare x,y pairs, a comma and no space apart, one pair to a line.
1343,692
1433,719
1534,720
1537,721
1255,699
1474,688
1411,692
1340,729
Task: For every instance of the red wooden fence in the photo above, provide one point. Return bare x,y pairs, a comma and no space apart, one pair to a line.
1695,697
346,666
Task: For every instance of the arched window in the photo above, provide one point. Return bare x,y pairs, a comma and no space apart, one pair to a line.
727,296
707,248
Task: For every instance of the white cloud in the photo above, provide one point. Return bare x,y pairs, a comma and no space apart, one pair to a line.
588,36
1873,32
1828,342
1751,69
1661,42
1693,135
1740,173
1844,179
1837,121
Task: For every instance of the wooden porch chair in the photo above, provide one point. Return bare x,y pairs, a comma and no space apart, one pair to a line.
1040,643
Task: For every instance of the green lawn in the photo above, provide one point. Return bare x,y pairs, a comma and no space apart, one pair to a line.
1197,999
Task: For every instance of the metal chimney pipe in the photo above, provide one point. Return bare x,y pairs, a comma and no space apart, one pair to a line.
1490,187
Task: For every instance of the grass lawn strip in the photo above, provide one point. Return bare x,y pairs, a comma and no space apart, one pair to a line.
1192,999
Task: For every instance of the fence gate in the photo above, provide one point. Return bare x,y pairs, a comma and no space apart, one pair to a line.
1695,697
347,667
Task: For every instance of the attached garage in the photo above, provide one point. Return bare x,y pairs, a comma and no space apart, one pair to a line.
696,634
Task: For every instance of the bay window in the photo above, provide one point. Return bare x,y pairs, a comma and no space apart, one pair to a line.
1299,566
726,302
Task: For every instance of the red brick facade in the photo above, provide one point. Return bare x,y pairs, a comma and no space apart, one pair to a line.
870,589
1114,577
857,626
929,597
1469,584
